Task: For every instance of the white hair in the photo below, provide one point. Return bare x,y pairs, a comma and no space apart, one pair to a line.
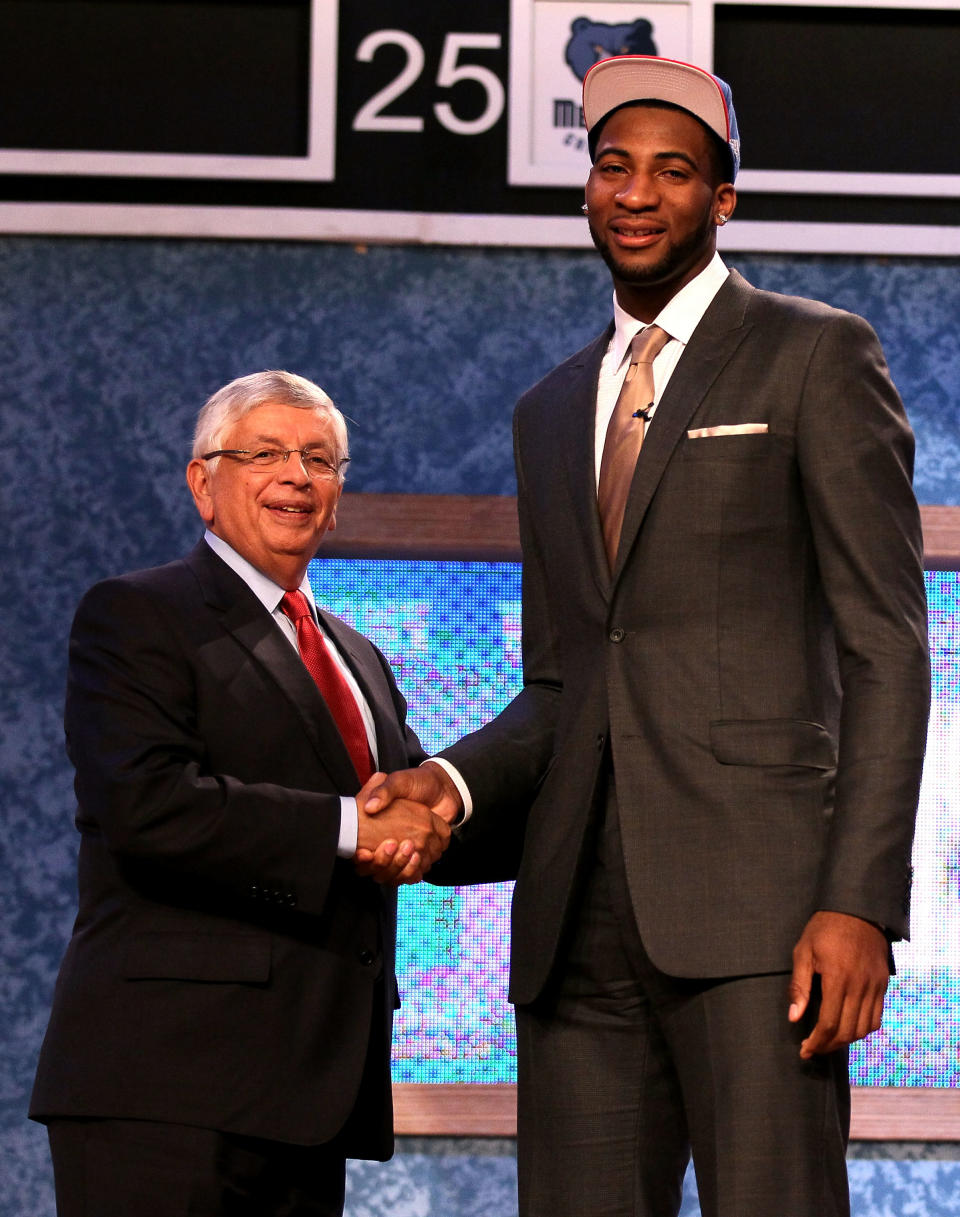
269,388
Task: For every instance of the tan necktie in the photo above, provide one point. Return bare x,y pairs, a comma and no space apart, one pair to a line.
621,445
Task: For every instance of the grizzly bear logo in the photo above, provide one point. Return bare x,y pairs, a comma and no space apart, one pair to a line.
591,41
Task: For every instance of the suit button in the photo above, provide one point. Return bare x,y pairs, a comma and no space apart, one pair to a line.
366,957
617,635
254,892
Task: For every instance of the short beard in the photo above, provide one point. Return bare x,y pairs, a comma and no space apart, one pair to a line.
674,263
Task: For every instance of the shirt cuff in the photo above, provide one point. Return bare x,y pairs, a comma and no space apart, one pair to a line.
462,789
349,830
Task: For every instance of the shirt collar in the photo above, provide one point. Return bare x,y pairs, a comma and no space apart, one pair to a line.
267,592
679,317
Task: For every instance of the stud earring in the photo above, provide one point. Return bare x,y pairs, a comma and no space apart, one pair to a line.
584,208
722,219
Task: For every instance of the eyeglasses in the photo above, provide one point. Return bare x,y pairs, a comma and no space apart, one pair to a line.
315,464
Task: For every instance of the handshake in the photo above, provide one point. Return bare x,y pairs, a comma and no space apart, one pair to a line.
403,823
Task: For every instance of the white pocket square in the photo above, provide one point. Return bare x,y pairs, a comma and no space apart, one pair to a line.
728,429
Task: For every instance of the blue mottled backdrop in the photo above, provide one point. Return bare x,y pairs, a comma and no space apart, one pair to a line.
107,349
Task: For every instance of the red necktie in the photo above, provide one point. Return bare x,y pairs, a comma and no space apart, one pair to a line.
621,446
330,681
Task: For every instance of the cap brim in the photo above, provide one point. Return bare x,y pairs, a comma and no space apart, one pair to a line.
625,78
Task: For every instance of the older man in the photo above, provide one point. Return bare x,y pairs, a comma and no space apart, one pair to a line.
713,765
220,1034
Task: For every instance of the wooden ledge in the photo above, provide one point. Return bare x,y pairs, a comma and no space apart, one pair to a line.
465,527
426,1110
483,527
941,537
878,1113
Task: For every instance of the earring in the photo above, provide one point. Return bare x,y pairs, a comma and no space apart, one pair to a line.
584,208
722,219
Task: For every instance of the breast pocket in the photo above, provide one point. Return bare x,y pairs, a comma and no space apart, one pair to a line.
726,487
755,447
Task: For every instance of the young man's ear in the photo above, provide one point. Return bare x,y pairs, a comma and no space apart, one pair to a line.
724,202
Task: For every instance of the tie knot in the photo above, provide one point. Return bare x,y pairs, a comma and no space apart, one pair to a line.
648,344
295,605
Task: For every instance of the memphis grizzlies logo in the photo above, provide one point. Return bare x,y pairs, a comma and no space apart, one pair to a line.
591,41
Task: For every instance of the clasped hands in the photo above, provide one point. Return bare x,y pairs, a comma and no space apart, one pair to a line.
403,823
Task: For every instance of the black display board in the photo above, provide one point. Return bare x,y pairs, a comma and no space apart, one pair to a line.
221,99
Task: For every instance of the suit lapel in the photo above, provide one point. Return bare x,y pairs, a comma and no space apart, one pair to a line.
244,617
721,331
576,434
363,663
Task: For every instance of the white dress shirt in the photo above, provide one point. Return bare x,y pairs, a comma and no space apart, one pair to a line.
679,318
270,595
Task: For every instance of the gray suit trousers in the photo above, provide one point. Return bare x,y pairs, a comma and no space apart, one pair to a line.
623,1071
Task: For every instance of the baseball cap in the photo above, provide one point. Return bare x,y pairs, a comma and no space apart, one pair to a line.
612,83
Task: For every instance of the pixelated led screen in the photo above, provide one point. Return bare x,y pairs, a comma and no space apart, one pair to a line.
451,630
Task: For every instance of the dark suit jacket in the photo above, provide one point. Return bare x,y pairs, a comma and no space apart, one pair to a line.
756,666
224,965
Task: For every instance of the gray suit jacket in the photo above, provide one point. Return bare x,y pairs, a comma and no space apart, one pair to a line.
755,666
226,969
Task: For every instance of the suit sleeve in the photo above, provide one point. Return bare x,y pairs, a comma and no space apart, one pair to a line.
139,722
856,460
505,761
